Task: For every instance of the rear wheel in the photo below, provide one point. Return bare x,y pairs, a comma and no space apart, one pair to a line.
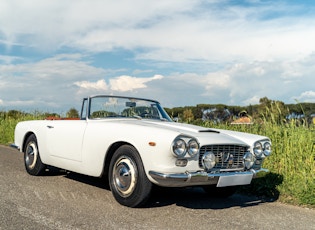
220,192
127,179
32,161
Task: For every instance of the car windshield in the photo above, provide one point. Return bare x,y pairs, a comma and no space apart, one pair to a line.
125,107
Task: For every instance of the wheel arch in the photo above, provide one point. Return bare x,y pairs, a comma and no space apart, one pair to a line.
26,136
109,154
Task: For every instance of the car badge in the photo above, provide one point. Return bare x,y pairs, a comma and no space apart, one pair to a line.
227,158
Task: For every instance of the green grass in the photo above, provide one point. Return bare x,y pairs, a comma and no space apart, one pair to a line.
291,164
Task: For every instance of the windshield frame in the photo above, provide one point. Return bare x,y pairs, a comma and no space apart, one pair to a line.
130,103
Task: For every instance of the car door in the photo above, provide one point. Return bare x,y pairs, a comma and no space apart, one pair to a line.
64,139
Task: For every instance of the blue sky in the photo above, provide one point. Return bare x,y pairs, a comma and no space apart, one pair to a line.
180,52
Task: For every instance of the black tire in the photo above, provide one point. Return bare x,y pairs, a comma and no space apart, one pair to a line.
220,192
32,161
127,179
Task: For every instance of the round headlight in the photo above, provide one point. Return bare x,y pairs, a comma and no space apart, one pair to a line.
179,147
249,160
208,160
267,148
193,147
258,149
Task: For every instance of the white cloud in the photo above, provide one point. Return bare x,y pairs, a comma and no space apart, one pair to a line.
217,80
128,83
47,82
246,83
251,101
3,84
66,66
167,30
8,59
116,85
99,85
77,20
307,96
1,102
21,103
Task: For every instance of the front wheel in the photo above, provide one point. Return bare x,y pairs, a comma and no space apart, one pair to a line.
32,161
127,179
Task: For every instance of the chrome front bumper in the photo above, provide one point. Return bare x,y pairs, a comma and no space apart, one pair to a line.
222,179
14,146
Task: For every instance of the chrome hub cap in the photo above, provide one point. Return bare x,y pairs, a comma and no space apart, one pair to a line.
31,154
124,176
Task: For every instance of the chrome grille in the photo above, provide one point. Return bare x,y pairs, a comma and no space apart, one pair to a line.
228,157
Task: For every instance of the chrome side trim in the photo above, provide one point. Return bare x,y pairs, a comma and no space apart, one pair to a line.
203,178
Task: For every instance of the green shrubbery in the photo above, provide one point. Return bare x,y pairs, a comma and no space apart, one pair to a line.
291,165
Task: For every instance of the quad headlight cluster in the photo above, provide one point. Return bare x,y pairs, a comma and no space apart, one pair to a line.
183,145
261,149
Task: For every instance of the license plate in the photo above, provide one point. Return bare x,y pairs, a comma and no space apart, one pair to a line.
233,180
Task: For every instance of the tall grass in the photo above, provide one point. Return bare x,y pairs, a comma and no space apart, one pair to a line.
8,122
293,158
292,162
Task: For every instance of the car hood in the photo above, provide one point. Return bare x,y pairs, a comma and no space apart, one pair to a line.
201,132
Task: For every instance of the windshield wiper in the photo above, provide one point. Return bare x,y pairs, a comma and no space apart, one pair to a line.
163,119
137,117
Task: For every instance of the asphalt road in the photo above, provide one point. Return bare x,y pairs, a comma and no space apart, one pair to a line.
62,200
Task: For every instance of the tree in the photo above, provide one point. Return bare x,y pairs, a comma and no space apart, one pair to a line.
188,115
14,114
272,110
72,113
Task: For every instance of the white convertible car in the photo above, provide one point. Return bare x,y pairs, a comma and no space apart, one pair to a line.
134,144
